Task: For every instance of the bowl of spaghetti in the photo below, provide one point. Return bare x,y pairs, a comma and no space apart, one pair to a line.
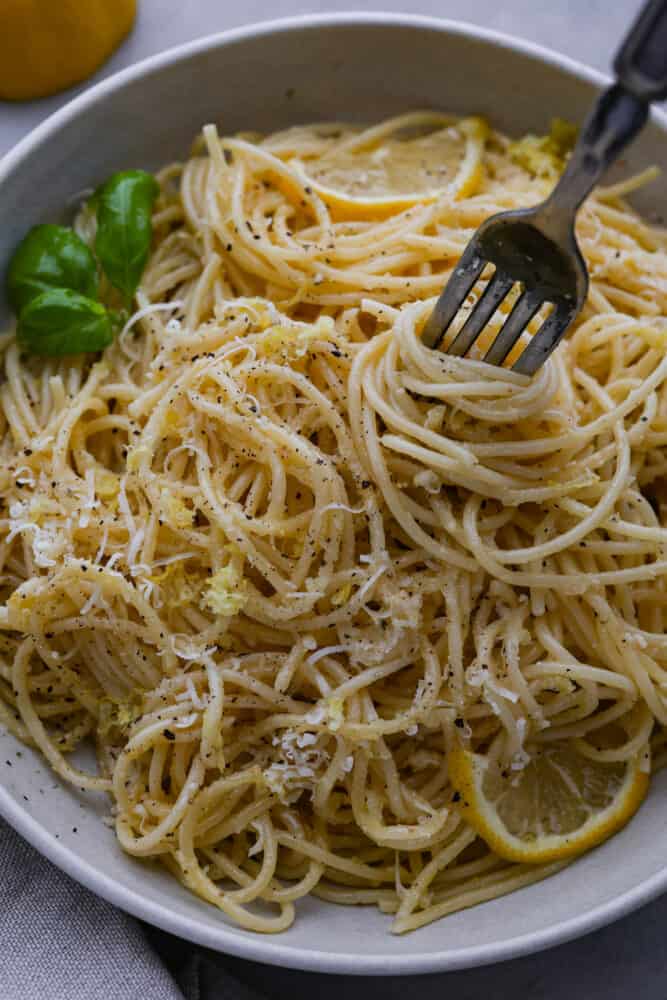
319,647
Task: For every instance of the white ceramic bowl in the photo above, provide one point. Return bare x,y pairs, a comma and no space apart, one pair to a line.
356,66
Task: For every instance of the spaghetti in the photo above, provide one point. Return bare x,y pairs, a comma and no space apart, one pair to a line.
276,558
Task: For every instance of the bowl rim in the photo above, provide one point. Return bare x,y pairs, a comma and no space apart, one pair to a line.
225,938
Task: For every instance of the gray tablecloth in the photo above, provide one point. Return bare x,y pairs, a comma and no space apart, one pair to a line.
58,941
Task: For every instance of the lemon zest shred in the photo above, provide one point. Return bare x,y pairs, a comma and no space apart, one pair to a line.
225,594
545,156
174,511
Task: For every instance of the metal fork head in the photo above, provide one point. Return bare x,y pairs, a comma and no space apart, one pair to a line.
527,248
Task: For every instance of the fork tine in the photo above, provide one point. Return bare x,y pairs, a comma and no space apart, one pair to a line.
544,342
520,316
492,296
461,280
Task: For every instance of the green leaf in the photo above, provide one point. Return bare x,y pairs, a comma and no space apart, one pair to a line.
50,257
59,322
93,201
124,229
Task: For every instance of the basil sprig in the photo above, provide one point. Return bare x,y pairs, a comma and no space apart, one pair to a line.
50,257
124,230
52,280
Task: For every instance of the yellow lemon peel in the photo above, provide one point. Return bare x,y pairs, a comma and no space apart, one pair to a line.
584,803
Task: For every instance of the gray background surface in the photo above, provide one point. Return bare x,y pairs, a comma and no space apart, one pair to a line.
630,957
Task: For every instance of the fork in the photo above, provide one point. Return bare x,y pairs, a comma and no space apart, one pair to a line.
536,248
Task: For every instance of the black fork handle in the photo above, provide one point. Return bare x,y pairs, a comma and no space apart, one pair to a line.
619,114
641,62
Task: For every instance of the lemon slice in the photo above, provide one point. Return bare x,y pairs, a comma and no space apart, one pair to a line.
381,172
560,805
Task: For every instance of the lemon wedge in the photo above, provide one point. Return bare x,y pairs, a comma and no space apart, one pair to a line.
423,157
558,806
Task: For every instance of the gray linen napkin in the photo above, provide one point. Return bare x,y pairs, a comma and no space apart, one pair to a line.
60,942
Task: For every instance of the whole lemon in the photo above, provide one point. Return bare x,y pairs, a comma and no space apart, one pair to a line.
48,45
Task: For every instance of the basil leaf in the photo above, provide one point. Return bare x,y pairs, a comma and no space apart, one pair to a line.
61,321
93,201
124,229
50,257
